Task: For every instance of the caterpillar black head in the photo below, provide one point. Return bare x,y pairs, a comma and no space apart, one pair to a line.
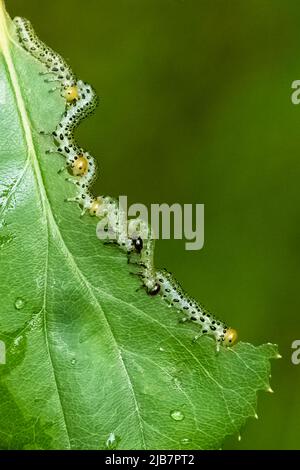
138,244
155,290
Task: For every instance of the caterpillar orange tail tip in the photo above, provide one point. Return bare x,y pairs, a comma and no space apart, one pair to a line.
230,337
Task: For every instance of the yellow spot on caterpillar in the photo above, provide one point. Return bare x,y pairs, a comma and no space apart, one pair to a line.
71,93
230,337
80,166
95,206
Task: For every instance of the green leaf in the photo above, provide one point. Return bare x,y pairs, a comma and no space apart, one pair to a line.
92,362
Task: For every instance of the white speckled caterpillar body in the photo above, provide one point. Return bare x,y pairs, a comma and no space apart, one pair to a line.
133,237
54,63
128,235
174,294
163,283
81,162
79,110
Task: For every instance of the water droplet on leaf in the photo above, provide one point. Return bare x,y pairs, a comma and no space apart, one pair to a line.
177,415
19,303
185,441
112,441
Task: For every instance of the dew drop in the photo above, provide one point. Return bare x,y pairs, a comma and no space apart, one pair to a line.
161,349
177,415
185,441
73,362
112,441
19,303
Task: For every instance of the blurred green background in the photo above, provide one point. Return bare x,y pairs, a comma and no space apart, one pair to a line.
195,108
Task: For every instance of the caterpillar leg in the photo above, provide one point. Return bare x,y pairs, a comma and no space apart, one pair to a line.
138,274
72,180
75,182
61,170
56,150
46,134
46,73
132,259
204,332
72,199
184,319
77,199
110,242
52,90
49,80
196,337
139,288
